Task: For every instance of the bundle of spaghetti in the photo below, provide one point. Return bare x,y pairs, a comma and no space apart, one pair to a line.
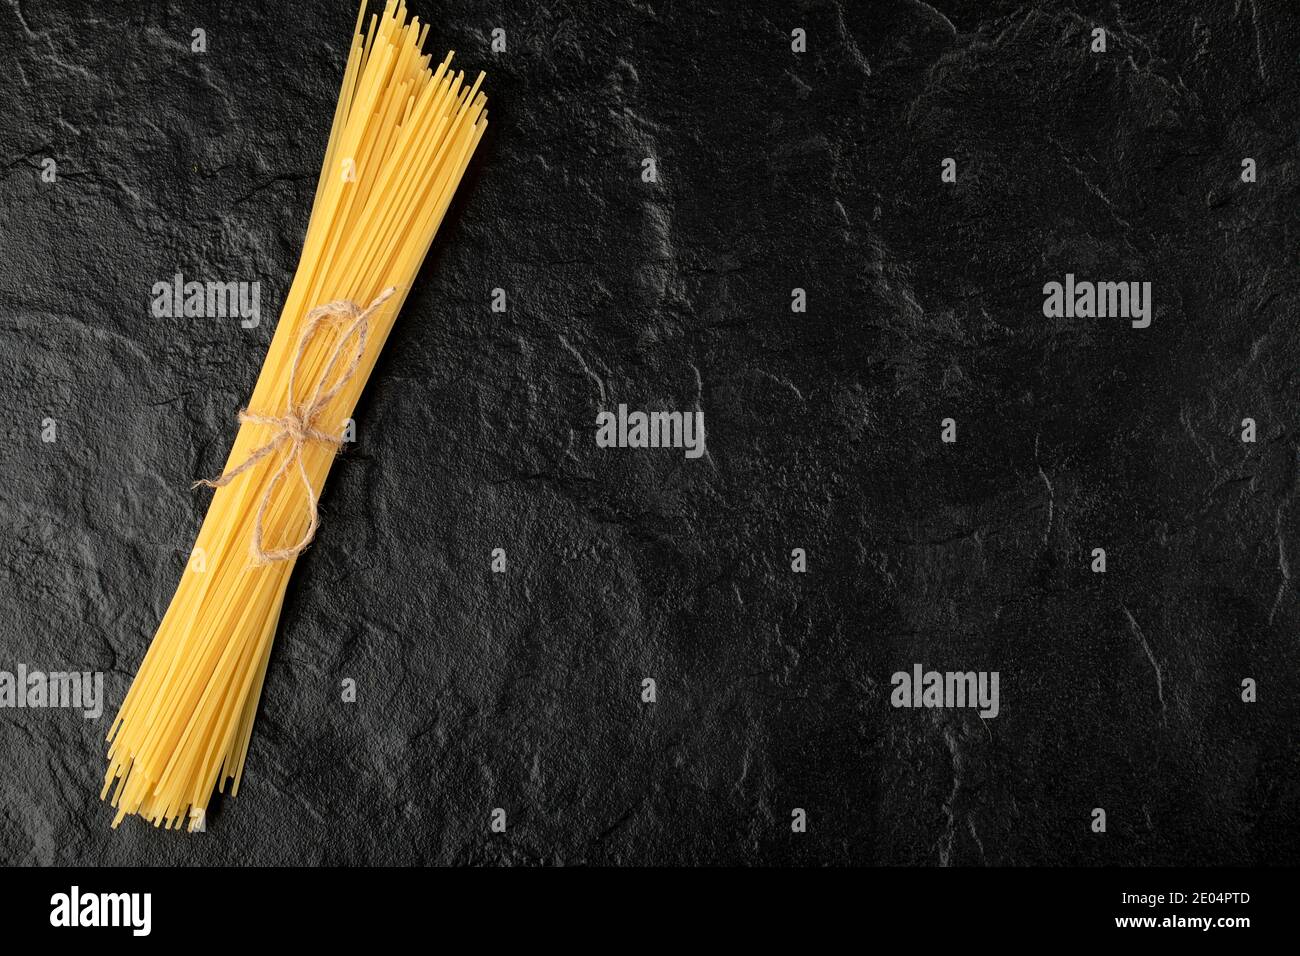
402,136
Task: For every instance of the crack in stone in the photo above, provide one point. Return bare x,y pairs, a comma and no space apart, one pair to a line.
1160,683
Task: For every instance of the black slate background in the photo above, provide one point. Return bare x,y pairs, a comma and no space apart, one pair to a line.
777,170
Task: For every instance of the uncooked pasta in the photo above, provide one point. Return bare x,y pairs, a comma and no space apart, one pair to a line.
403,133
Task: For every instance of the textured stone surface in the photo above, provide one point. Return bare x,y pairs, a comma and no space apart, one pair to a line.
777,170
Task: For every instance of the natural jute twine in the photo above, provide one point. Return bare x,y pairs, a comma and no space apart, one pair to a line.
297,427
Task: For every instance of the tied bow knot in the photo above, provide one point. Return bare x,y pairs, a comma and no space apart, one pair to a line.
297,427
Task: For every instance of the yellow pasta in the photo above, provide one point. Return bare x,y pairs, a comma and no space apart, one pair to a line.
402,136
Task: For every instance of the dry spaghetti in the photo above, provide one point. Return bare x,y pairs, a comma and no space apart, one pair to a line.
402,136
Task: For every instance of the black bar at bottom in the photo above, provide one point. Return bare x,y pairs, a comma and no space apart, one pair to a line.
336,905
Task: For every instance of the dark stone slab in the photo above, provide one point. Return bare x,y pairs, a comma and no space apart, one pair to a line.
777,170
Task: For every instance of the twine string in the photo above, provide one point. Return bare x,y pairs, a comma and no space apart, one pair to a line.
298,427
